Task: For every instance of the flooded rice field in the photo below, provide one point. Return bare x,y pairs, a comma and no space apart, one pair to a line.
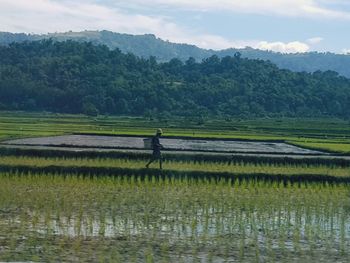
201,145
64,216
55,218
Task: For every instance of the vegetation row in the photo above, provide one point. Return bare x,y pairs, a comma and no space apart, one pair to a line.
197,175
276,160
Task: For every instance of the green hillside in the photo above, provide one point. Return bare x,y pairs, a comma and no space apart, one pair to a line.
149,45
73,77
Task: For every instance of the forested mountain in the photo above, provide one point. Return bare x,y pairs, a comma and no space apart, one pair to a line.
73,77
148,45
139,45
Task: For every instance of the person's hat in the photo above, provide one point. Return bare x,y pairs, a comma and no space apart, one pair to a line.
159,131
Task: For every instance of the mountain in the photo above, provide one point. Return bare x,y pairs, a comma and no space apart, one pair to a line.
149,45
140,45
79,77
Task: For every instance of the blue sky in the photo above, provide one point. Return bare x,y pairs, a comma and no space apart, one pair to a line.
279,25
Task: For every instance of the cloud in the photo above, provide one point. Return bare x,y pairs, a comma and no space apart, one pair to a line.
291,8
314,40
208,41
291,47
217,42
42,16
346,51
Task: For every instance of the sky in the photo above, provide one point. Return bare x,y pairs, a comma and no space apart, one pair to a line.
286,26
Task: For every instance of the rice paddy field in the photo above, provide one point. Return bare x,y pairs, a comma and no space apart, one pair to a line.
90,206
331,135
70,217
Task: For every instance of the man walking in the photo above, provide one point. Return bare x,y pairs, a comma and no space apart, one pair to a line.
156,146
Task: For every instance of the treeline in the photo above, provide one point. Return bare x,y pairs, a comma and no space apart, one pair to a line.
72,77
149,45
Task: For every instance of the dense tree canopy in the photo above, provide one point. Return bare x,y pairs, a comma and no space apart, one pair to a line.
149,45
74,77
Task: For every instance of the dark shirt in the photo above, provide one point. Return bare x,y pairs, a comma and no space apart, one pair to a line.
156,146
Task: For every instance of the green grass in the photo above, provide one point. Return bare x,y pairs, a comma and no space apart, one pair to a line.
326,146
199,166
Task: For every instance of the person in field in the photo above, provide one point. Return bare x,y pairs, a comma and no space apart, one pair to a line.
156,147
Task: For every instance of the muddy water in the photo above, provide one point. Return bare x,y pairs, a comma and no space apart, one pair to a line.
289,233
119,142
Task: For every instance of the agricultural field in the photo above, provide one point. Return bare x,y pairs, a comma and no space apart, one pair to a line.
105,206
71,217
181,166
327,134
102,207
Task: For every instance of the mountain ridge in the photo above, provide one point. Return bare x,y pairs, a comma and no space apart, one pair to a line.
148,45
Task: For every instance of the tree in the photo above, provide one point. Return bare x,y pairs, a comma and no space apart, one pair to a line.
71,77
89,109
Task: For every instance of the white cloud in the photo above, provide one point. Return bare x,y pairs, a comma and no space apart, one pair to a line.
208,41
216,42
291,47
304,8
346,51
314,40
42,16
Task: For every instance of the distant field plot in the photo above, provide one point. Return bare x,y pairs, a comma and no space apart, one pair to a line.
168,143
327,134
